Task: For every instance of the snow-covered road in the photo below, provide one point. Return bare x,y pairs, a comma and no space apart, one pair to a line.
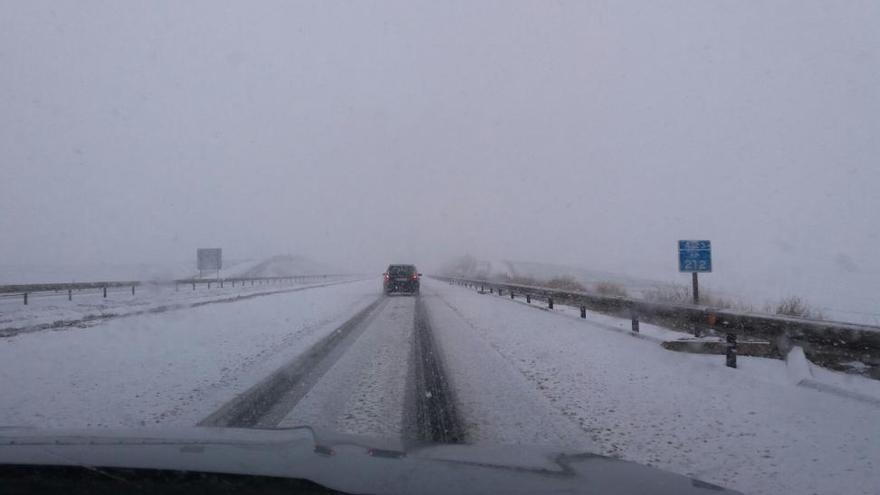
750,429
170,368
364,392
496,371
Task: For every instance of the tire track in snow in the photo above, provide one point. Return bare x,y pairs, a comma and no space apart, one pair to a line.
432,401
267,402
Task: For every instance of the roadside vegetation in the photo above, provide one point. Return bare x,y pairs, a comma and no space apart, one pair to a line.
795,306
566,283
517,280
681,294
607,288
470,267
560,283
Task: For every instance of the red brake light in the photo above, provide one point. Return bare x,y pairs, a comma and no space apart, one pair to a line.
415,276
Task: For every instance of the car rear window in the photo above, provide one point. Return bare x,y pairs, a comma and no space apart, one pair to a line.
401,270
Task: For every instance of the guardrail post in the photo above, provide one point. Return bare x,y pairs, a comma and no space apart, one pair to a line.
25,298
105,292
583,311
194,285
70,294
511,295
549,303
529,298
500,292
635,323
132,290
221,283
731,350
491,290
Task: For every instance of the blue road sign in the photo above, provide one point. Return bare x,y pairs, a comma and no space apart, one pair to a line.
694,256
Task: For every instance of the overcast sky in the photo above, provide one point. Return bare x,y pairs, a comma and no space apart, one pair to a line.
587,132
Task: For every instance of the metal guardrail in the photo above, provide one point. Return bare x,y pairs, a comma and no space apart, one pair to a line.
25,290
31,288
243,281
780,331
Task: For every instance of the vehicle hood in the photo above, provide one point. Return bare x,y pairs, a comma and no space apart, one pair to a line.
344,462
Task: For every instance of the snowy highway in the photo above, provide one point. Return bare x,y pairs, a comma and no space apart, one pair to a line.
450,365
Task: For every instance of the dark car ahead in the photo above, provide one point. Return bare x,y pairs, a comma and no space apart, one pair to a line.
401,278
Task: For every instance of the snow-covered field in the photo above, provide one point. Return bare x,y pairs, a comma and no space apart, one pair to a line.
89,306
94,272
275,266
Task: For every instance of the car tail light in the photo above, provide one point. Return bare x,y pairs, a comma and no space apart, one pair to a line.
385,275
415,276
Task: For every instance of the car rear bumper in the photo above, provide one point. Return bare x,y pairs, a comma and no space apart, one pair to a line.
395,286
